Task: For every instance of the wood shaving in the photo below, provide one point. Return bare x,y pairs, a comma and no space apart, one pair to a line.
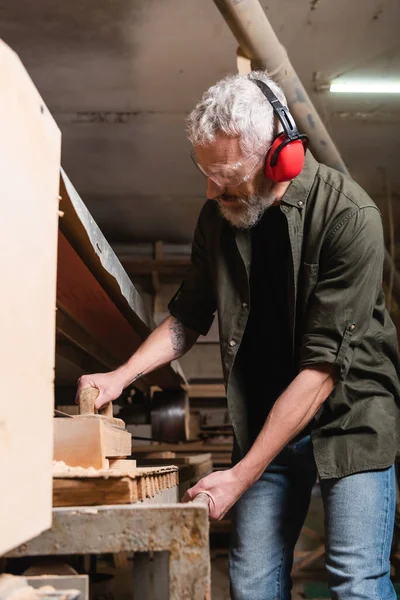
61,470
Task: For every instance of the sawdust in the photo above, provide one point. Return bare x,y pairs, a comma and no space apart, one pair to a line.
61,468
23,591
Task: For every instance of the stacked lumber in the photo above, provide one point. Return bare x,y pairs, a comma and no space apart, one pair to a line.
220,453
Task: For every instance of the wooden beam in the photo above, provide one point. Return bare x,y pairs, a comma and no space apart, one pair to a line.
203,390
81,297
30,144
87,240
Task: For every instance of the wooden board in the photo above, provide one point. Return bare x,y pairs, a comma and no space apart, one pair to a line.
91,492
153,454
207,390
110,487
221,453
190,459
85,237
30,144
187,448
80,296
123,465
89,441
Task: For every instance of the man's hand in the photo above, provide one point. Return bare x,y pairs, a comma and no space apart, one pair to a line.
110,387
223,489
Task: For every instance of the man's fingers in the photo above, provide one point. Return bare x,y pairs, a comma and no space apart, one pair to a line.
190,494
101,400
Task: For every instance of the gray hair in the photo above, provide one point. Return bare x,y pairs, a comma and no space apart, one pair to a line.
235,106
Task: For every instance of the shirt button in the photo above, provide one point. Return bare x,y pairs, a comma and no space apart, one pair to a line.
244,305
300,203
352,327
232,343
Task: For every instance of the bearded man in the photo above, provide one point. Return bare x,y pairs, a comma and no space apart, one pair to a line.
289,254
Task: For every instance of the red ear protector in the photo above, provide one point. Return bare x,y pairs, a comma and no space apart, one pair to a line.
285,158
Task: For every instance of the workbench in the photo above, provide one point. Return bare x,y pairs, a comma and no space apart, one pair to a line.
181,530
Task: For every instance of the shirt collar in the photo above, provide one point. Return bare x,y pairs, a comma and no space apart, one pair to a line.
299,188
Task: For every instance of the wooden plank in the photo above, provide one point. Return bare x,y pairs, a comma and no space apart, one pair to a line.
164,455
91,492
29,182
81,296
85,237
97,488
185,448
152,459
207,390
88,441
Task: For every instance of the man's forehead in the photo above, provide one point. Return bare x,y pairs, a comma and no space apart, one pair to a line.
223,150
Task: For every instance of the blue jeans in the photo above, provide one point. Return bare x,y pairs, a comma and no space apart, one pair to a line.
359,520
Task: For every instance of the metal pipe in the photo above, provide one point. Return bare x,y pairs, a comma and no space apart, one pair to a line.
259,43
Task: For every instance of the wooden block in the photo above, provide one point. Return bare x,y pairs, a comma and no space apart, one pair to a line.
122,464
94,491
78,443
87,442
117,442
189,472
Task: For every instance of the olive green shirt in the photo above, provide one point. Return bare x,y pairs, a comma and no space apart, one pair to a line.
338,314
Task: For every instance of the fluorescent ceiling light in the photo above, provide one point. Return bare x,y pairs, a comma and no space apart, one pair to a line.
366,87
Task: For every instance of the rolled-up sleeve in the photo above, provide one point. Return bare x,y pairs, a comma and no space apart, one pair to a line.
349,282
194,304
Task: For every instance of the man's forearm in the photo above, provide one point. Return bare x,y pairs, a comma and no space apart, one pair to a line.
293,410
167,342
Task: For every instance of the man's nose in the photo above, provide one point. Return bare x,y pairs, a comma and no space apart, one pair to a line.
213,189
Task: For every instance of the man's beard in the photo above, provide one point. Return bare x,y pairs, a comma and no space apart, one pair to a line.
247,212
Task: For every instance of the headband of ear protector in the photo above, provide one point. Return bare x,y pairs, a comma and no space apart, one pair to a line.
285,158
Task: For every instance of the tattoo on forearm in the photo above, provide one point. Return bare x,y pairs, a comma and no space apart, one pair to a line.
179,337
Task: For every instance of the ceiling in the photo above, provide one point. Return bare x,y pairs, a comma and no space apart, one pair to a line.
120,77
